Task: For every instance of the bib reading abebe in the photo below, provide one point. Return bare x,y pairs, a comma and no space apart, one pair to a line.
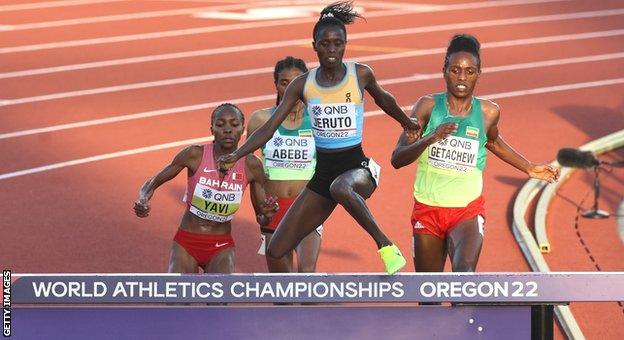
211,198
291,153
450,171
336,112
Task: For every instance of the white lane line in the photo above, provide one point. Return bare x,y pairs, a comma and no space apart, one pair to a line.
511,67
549,89
247,5
51,4
144,15
137,116
220,28
269,69
106,156
415,78
206,52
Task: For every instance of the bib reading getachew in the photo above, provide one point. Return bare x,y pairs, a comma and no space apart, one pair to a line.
450,171
336,112
454,153
212,198
291,154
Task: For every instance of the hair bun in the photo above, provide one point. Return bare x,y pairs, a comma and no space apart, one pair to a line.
342,10
464,42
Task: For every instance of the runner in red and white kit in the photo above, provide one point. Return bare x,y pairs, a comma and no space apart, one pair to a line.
212,197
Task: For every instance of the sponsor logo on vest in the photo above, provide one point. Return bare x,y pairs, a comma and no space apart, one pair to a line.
278,141
348,97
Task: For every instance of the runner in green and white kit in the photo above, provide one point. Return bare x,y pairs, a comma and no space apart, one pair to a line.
289,161
448,212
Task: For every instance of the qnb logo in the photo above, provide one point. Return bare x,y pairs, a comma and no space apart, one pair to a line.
444,142
206,193
316,110
278,141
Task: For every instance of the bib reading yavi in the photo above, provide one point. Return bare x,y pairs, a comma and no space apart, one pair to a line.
336,112
212,198
290,154
450,171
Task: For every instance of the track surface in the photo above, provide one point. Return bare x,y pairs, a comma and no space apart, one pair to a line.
154,72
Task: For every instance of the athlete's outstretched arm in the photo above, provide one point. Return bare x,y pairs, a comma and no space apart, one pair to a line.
385,100
499,147
409,148
294,92
264,206
182,160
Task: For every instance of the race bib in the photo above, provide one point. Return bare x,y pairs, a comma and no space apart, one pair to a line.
454,153
215,205
289,152
333,121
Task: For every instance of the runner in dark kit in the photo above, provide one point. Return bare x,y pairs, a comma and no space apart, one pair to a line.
333,94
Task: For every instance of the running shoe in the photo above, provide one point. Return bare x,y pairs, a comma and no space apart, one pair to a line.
392,258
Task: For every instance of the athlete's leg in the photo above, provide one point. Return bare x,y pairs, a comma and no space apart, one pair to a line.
180,261
308,252
223,262
350,189
283,262
307,212
464,245
429,256
429,253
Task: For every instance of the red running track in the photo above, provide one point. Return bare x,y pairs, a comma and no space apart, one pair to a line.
171,69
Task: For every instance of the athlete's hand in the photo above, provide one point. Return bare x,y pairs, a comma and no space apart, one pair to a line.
544,172
444,130
412,131
142,207
226,162
269,207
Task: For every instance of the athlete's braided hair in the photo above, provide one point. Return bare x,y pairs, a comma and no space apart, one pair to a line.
463,43
227,106
286,64
337,14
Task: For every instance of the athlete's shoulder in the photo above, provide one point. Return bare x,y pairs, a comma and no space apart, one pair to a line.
251,160
260,115
423,106
253,167
426,100
362,68
189,155
194,150
489,107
